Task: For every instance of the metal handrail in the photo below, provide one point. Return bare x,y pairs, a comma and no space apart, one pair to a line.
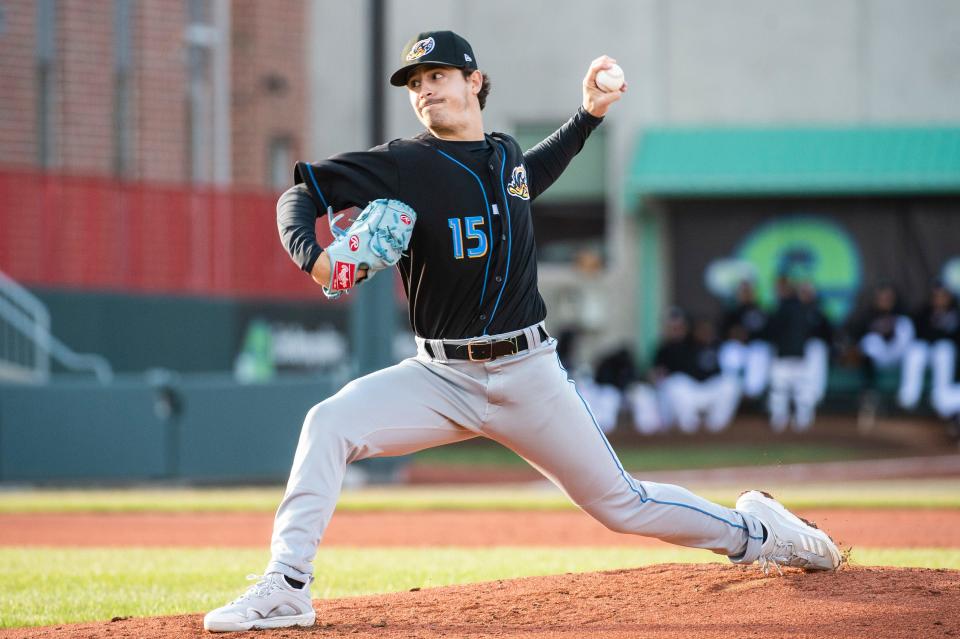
28,315
27,305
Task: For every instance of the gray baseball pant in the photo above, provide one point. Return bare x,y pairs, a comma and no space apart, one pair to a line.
524,402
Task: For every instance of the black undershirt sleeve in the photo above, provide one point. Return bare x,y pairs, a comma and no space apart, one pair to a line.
296,222
546,161
340,182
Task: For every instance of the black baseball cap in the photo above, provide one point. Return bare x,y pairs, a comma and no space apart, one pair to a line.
434,47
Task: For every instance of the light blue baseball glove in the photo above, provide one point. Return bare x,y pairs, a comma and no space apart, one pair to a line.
375,241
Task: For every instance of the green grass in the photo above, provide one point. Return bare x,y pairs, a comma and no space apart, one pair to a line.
141,499
46,586
652,458
926,493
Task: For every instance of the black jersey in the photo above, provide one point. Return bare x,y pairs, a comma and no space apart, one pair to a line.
934,324
673,356
689,356
744,322
471,265
793,323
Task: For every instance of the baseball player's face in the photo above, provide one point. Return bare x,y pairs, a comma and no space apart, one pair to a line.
942,298
445,102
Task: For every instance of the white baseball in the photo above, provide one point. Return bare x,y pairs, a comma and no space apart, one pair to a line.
611,79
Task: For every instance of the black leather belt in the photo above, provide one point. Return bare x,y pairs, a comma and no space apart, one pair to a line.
485,350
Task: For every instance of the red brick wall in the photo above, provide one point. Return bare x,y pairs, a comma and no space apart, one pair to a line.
84,139
269,84
18,70
160,91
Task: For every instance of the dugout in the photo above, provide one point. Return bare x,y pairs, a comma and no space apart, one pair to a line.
847,206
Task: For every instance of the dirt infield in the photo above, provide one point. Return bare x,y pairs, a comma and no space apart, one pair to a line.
710,601
861,528
707,600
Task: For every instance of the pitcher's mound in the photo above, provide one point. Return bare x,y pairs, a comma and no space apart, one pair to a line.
669,600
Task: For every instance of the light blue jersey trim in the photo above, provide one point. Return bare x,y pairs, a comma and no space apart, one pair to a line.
506,203
486,203
630,481
317,187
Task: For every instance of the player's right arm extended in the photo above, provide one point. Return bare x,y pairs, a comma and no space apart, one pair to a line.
546,161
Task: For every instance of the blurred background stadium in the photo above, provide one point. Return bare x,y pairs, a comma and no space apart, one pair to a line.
151,327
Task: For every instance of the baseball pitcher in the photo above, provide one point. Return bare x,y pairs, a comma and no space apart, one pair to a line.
451,209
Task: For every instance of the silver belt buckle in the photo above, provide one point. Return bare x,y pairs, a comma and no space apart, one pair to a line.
470,345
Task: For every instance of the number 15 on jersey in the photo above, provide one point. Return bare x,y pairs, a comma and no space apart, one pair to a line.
472,233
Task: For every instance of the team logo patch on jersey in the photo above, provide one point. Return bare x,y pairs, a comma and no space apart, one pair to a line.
354,242
405,219
343,275
420,49
518,183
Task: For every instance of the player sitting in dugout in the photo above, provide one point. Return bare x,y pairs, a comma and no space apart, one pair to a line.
934,347
883,333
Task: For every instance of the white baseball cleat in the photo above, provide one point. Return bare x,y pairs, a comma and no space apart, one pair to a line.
791,541
269,603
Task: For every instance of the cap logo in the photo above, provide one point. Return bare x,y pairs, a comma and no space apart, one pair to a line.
467,58
420,49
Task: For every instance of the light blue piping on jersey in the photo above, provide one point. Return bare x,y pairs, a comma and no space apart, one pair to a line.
506,203
631,482
486,203
317,187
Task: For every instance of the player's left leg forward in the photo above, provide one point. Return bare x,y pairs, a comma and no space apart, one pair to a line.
790,540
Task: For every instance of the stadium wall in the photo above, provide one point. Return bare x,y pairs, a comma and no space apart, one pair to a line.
198,429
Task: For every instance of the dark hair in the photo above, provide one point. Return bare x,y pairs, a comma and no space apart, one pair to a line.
484,88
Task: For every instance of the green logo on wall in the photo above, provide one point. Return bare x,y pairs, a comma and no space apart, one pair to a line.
811,249
255,362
